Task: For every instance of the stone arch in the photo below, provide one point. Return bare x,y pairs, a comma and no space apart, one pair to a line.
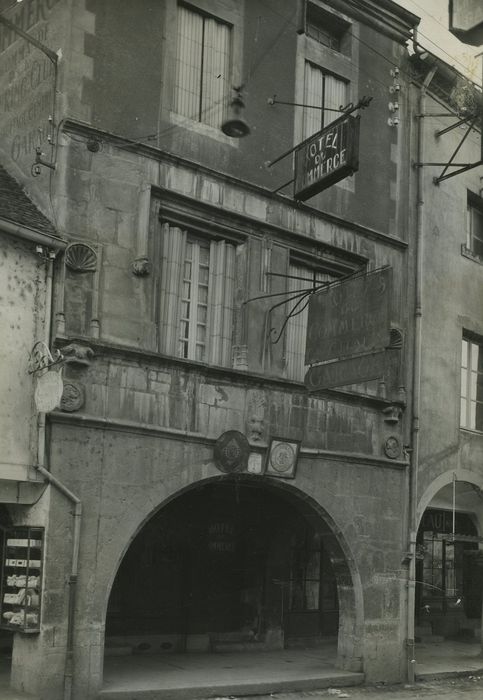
349,586
440,482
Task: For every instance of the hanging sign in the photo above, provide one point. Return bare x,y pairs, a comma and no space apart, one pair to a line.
350,319
48,392
326,157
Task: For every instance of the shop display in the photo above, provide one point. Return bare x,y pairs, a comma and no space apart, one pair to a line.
20,583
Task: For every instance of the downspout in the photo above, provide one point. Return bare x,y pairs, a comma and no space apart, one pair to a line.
416,393
77,512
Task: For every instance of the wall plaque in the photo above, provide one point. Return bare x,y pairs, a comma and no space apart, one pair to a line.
231,452
282,458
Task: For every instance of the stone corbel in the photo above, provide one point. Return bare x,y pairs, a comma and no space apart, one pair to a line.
77,355
392,414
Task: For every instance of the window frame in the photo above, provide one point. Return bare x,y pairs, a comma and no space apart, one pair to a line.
229,12
338,28
220,305
474,206
468,421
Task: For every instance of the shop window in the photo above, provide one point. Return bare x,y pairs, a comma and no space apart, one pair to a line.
301,277
203,67
474,238
471,412
324,90
326,28
197,281
305,572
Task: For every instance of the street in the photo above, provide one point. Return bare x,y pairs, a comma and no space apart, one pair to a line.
469,688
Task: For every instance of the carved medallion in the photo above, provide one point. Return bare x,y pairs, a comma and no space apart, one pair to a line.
392,447
73,396
231,452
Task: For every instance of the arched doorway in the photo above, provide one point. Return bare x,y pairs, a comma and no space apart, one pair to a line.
233,564
449,569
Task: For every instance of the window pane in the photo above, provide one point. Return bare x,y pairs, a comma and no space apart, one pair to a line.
464,353
186,290
200,353
472,421
473,380
188,63
463,416
313,95
464,379
203,295
335,97
479,416
474,356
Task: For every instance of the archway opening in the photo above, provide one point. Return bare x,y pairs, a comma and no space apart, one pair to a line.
228,566
449,568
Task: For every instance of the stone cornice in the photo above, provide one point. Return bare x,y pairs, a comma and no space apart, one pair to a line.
385,16
142,149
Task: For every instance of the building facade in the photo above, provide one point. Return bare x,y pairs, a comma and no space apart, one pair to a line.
203,497
446,493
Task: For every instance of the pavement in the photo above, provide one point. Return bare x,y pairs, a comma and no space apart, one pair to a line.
450,669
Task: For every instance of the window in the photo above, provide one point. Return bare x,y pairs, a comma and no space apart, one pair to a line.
471,385
203,66
325,28
475,229
301,277
324,89
197,281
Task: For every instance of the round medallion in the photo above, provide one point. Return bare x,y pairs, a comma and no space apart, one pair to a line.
282,457
392,447
231,452
72,397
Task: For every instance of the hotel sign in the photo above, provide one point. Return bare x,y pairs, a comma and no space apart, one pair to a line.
327,157
350,319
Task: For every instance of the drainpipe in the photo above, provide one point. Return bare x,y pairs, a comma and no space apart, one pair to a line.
416,393
77,512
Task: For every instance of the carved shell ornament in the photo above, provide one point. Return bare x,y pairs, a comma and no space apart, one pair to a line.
80,257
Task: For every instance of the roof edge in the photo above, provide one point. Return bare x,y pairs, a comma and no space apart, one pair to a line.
29,234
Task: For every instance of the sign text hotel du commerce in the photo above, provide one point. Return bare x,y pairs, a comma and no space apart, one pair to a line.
327,157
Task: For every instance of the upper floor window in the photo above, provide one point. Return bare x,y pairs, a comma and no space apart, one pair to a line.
471,384
326,28
197,283
474,240
325,90
203,67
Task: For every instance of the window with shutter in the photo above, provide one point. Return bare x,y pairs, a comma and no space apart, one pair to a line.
323,90
196,297
203,67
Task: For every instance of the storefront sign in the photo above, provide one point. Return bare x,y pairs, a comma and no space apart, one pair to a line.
327,157
351,318
350,371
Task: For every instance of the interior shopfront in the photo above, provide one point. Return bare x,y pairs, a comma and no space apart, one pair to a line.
228,565
449,573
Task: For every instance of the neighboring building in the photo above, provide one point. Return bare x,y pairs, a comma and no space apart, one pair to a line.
28,246
178,246
447,436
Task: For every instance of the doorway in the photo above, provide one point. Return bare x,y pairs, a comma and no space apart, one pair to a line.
231,565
